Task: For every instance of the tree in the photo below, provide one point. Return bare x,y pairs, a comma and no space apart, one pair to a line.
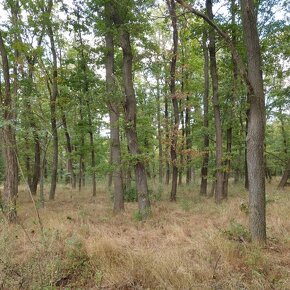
256,134
53,92
219,193
204,168
285,176
173,146
9,141
113,106
130,108
256,129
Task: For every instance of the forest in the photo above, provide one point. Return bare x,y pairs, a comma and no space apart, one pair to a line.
144,144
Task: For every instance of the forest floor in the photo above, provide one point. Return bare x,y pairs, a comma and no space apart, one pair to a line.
191,244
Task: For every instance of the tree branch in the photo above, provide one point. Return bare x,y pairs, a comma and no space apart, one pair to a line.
242,68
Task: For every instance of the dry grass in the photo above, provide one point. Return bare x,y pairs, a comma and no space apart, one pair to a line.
193,244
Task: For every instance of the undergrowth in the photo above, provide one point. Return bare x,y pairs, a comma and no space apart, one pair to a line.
191,244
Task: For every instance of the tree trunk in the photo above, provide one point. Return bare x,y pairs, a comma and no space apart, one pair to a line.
180,172
81,176
285,176
283,131
204,169
232,104
228,161
130,107
42,169
173,147
256,133
85,91
188,140
246,148
27,164
9,143
166,116
113,105
110,174
93,162
53,100
71,177
256,130
183,161
219,193
160,150
33,179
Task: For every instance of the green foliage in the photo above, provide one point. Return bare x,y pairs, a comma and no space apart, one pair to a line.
130,193
237,232
244,207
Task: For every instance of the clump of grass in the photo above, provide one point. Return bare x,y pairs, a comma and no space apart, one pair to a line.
237,232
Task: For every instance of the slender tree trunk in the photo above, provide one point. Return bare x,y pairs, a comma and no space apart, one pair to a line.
71,177
110,174
53,100
246,148
31,60
93,154
219,194
285,176
204,169
184,161
166,116
232,103
130,117
86,90
93,161
228,161
256,129
159,133
283,131
42,170
173,147
36,167
33,179
81,176
9,143
180,172
188,142
27,163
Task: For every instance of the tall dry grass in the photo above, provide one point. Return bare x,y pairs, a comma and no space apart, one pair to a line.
191,244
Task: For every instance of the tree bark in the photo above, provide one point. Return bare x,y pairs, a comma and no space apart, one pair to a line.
283,131
167,147
53,100
71,177
159,133
182,147
33,179
285,176
113,105
130,107
219,193
232,104
204,169
93,158
173,147
9,143
246,147
188,142
256,130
